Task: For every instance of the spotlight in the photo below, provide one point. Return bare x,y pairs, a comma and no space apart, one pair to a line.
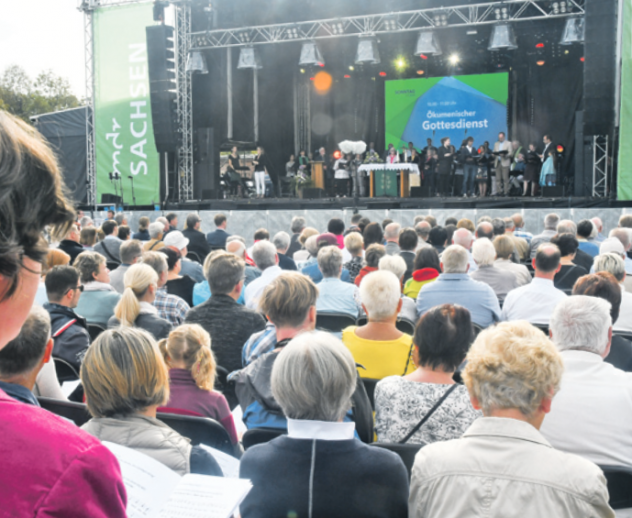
420,72
367,53
322,82
539,45
400,63
337,154
423,56
310,55
427,44
573,31
582,59
502,37
560,149
454,59
196,64
540,63
249,58
347,76
351,68
302,70
382,74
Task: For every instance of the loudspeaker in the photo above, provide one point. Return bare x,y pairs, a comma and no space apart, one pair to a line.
556,191
313,193
599,66
162,87
111,198
420,192
206,165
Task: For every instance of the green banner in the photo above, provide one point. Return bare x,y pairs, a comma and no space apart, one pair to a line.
123,127
624,178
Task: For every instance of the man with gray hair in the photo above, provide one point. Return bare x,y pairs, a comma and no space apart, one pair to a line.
423,229
391,236
623,235
550,229
463,237
236,245
297,226
335,296
130,252
599,226
281,242
501,281
172,308
591,415
613,263
455,286
156,232
266,259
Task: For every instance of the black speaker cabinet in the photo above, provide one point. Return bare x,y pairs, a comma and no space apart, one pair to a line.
110,198
556,191
312,193
420,192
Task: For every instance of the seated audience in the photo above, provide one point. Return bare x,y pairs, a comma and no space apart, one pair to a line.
372,258
613,264
455,286
396,265
297,226
372,235
88,238
303,254
378,345
124,233
422,229
312,270
261,234
519,230
55,461
582,259
623,235
335,296
585,229
125,381
354,245
69,330
569,272
229,324
486,229
54,257
391,236
281,242
156,234
319,469
512,375
143,232
504,251
172,222
109,246
426,269
408,241
176,241
98,298
136,309
591,416
266,259
197,240
499,280
192,369
536,301
170,307
236,245
438,238
550,229
130,253
179,285
121,219
217,238
522,245
336,227
70,243
467,224
22,359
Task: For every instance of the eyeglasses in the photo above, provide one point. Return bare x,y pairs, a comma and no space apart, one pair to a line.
80,288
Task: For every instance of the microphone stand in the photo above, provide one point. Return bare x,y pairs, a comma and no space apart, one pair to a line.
133,195
120,179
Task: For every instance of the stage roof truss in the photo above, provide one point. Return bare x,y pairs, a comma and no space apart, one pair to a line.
387,23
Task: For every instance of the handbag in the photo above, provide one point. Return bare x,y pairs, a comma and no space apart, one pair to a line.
430,412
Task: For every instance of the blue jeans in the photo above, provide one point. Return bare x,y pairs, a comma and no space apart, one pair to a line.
469,175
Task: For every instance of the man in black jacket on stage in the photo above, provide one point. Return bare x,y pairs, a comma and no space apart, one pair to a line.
468,158
445,156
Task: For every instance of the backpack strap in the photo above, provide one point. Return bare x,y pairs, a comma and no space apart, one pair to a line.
64,327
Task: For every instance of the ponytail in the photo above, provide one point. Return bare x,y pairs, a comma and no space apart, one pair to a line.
137,280
128,308
162,345
203,370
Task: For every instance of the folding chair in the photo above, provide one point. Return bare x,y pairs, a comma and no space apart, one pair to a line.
406,452
260,435
334,322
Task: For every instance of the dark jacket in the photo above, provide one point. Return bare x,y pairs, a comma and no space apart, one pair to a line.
69,332
285,263
445,162
72,248
583,259
197,243
409,257
158,327
182,287
229,324
217,239
620,353
468,157
142,235
295,246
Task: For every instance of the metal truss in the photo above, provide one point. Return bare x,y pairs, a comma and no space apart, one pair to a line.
405,21
91,157
184,99
601,166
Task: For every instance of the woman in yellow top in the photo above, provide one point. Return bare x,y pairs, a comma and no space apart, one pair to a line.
379,346
426,269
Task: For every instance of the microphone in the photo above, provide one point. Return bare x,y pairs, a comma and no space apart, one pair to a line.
131,177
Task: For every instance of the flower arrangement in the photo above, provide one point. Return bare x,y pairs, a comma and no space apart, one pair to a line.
372,158
301,180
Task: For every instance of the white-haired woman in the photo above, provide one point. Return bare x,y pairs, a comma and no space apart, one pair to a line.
319,469
499,280
136,309
397,265
379,346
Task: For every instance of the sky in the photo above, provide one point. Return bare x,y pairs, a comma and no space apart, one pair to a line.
40,35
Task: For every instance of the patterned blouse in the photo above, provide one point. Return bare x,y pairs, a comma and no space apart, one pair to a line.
400,404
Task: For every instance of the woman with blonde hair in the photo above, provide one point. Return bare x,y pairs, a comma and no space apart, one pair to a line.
192,370
136,309
125,381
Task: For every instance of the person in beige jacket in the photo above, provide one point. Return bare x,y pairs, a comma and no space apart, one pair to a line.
502,466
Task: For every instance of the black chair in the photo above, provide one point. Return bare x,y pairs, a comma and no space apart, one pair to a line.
542,327
369,386
619,480
623,334
406,452
194,257
95,330
476,329
256,436
334,322
285,187
405,326
362,321
65,371
201,430
112,265
76,412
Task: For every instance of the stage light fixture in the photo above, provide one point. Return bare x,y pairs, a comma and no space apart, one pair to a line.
539,45
427,44
302,70
420,72
367,53
573,31
337,154
382,74
249,58
400,63
540,63
351,68
502,37
347,76
196,64
560,149
582,59
310,55
322,82
454,59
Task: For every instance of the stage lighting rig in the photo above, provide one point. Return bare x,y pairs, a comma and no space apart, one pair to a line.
400,63
367,53
427,44
503,37
573,31
311,55
454,59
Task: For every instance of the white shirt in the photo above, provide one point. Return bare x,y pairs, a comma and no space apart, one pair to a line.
624,322
591,415
254,290
533,302
321,430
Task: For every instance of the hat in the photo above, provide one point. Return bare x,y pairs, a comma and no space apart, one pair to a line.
328,238
176,240
612,244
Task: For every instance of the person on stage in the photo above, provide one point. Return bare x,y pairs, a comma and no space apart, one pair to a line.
469,158
484,172
445,157
304,162
548,142
415,158
341,174
429,171
261,166
547,174
429,146
503,150
393,157
532,170
328,170
290,167
357,177
388,152
232,172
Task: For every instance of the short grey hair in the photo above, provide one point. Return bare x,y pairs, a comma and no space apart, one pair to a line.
281,241
392,231
156,229
119,218
330,261
582,322
354,243
311,245
130,250
86,221
314,378
264,254
394,264
483,252
623,235
223,271
380,293
455,259
611,263
463,237
551,221
423,229
237,247
566,226
298,224
157,260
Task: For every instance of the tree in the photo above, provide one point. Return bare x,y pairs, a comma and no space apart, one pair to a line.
24,97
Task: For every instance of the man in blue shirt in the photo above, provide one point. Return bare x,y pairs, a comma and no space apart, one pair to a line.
312,270
455,286
335,295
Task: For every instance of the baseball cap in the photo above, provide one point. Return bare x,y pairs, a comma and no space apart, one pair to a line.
176,240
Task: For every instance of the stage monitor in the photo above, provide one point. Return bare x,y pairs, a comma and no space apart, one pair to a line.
457,107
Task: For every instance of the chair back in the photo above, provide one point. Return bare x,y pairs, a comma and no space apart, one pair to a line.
256,436
619,480
405,326
194,257
406,452
76,412
476,330
362,320
623,334
334,322
95,330
369,386
200,430
542,327
65,371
